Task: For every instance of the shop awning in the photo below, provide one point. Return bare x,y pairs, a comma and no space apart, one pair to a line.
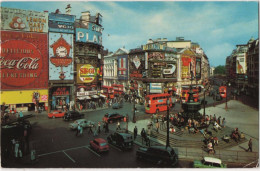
102,95
95,96
83,97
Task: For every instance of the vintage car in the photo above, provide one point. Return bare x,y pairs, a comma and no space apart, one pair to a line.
83,122
72,115
209,162
99,145
117,105
56,114
113,117
121,140
158,155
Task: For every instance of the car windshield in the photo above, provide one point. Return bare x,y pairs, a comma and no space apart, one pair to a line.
103,144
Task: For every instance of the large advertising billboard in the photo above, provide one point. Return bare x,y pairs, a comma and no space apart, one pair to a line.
91,34
61,23
60,56
87,73
24,60
122,67
23,20
241,64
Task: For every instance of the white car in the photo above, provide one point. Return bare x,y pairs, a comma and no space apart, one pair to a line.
170,69
83,122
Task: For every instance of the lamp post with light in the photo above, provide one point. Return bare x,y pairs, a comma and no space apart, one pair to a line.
227,85
168,140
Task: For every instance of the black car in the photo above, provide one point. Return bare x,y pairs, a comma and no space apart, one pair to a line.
16,129
113,117
72,115
121,140
158,154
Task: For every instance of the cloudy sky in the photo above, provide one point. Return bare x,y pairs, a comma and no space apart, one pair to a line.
217,26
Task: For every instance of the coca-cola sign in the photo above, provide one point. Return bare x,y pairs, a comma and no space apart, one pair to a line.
22,62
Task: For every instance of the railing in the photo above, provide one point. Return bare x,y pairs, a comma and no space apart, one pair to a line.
224,155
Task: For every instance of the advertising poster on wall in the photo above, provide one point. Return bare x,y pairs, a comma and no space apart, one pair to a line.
61,23
23,20
186,60
122,67
60,56
23,60
156,88
240,65
198,68
87,73
91,34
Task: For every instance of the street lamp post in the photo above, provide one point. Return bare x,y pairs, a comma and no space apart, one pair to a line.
167,140
227,85
204,113
134,118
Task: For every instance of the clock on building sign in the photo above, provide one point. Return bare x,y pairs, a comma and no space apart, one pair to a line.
61,51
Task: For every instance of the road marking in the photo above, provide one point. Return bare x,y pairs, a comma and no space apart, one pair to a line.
69,157
92,151
49,153
114,147
61,151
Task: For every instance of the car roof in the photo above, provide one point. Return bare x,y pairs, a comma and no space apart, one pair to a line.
212,159
100,140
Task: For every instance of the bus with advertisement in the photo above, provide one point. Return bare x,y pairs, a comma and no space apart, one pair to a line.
155,103
185,93
108,91
223,91
118,89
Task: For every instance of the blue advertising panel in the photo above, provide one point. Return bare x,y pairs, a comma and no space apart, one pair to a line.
92,34
61,23
122,67
60,56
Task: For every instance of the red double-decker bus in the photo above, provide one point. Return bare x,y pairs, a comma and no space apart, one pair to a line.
118,89
108,91
155,103
223,91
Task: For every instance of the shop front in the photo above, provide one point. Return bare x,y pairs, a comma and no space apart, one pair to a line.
60,97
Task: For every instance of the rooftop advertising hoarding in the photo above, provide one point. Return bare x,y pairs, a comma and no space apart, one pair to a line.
23,20
87,73
24,60
61,23
61,56
91,35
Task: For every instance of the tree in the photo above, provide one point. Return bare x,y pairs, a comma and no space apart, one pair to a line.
221,70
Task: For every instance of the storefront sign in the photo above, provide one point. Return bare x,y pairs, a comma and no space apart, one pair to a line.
61,23
23,20
87,73
61,56
61,91
136,62
93,34
23,61
86,93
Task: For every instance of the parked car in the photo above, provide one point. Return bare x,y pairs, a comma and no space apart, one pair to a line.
113,117
158,154
72,115
209,162
117,105
99,145
121,140
56,114
16,129
83,122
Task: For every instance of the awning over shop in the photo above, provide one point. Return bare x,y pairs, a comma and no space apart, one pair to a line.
83,97
95,96
102,95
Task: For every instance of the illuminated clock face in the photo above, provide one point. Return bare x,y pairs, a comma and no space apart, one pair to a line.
61,51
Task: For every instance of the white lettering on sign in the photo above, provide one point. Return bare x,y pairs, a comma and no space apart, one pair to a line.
80,35
23,63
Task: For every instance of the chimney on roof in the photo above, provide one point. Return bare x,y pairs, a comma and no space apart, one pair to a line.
180,38
68,9
85,16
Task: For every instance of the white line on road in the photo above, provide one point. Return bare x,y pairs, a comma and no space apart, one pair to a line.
92,151
115,147
69,156
60,151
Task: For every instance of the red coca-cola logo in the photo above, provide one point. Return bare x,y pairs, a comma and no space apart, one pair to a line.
20,63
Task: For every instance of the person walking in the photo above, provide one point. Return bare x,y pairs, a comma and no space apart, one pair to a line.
118,126
135,132
20,114
143,134
81,131
99,125
78,129
90,129
250,145
157,126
